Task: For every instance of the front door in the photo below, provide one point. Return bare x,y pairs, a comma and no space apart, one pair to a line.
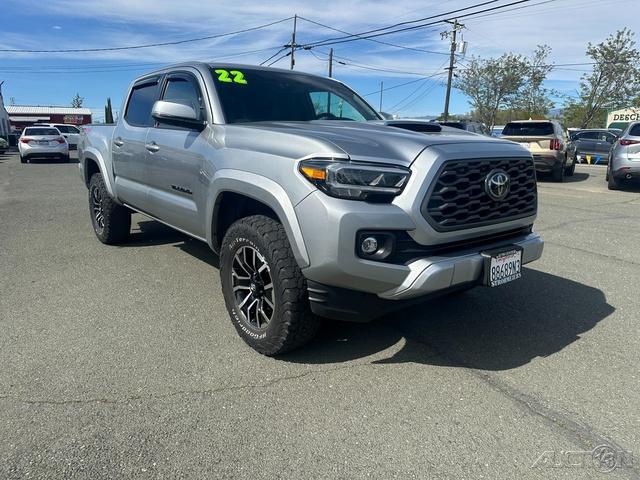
177,152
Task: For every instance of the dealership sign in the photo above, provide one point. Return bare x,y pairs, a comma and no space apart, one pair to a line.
624,115
73,119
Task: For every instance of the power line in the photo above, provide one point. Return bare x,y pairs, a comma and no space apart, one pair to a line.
148,45
365,35
395,86
451,12
415,49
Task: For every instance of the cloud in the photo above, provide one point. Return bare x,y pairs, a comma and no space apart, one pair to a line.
57,27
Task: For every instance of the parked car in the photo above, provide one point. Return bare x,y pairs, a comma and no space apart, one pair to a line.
70,132
591,146
624,158
4,145
314,210
468,125
547,142
43,142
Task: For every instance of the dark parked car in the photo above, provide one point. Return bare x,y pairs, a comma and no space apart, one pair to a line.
591,146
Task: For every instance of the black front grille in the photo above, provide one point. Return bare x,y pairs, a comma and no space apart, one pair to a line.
457,200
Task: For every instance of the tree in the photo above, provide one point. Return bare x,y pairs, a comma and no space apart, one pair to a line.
76,101
492,84
108,112
614,81
533,99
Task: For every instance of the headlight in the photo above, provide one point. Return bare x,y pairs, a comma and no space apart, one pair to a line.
355,181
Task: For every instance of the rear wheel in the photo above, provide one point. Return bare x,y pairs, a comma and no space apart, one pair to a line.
111,222
558,174
23,159
569,171
263,287
612,182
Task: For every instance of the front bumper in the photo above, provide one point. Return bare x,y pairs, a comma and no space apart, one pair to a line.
429,275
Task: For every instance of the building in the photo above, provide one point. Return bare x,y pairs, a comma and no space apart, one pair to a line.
22,116
5,128
622,118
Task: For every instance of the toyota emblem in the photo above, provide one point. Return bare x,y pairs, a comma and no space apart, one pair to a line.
497,184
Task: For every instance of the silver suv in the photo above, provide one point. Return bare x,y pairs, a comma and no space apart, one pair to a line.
315,209
624,159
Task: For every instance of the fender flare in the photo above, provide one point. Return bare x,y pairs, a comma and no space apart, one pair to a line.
93,154
263,190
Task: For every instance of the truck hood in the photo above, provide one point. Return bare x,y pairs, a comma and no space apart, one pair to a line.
361,141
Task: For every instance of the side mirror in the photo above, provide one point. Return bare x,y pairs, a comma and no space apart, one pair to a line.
176,113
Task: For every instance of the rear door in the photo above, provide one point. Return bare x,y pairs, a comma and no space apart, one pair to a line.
130,157
71,133
177,194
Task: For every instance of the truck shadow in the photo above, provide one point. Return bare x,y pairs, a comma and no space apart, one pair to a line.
487,329
150,233
575,178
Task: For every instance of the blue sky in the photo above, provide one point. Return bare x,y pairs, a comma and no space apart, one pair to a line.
52,79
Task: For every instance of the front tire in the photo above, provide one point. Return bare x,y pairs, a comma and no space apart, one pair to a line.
263,287
111,222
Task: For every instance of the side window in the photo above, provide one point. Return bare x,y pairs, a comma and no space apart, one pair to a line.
141,101
184,91
588,136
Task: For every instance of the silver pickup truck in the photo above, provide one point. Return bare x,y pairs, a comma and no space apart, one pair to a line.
315,206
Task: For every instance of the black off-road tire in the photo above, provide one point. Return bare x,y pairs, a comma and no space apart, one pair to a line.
292,323
111,222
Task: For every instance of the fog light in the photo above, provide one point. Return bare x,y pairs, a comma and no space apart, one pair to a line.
369,245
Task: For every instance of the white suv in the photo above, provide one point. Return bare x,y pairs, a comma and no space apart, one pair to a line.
70,132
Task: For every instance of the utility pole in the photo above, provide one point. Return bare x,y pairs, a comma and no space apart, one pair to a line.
330,62
453,34
293,40
381,90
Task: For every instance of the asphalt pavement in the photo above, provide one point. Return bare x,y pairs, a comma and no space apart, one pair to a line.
121,362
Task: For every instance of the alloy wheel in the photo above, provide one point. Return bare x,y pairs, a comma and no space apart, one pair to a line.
252,287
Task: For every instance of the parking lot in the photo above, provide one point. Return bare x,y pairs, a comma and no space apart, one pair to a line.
122,361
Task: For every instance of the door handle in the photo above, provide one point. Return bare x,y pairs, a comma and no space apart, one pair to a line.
118,142
152,147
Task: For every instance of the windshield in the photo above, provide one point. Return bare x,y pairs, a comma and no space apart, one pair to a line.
251,95
528,129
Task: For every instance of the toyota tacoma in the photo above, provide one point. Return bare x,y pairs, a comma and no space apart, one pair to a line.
315,207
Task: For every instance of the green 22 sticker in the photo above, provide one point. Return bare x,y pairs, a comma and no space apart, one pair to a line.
225,76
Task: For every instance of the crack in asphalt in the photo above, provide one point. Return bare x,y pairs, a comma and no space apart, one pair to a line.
213,391
582,435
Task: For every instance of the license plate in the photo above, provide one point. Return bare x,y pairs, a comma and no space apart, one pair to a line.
43,142
502,266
